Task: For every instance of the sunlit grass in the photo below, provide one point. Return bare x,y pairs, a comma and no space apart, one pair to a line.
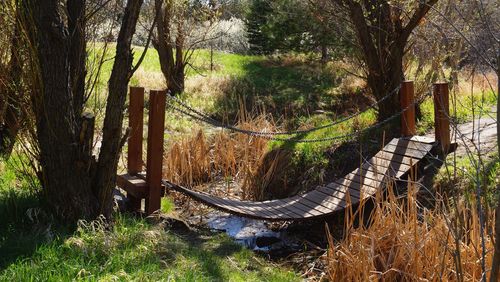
135,250
34,247
462,109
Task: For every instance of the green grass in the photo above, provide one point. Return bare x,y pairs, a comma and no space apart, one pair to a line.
467,106
35,248
462,176
135,250
167,205
290,89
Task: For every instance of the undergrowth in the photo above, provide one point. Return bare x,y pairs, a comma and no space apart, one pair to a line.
461,177
33,247
131,249
403,242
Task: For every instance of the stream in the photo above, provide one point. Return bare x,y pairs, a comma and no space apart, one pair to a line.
253,234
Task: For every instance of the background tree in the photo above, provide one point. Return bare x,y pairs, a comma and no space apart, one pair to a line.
293,25
383,29
181,25
256,21
75,185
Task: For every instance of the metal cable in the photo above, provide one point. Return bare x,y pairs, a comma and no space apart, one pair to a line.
214,122
294,139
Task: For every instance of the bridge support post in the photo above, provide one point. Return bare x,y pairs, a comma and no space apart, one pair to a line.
134,152
442,115
156,127
407,101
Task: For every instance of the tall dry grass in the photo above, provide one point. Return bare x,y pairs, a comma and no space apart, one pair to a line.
200,158
401,243
268,178
188,161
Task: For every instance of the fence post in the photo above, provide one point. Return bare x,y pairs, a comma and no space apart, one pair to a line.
407,101
135,121
442,115
136,125
154,166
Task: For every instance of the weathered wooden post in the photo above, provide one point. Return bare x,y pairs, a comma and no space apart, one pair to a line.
442,115
154,166
407,101
136,125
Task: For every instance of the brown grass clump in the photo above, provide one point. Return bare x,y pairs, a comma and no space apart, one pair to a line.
197,159
401,244
149,79
188,161
268,179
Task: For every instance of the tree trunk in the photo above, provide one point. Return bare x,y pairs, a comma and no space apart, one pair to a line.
70,185
385,80
13,113
66,181
171,62
382,37
77,45
105,179
324,54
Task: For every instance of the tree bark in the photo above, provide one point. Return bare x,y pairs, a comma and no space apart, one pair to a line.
66,181
105,179
78,53
13,114
74,185
324,54
382,39
170,53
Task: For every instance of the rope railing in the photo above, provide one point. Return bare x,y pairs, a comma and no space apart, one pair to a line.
193,113
272,136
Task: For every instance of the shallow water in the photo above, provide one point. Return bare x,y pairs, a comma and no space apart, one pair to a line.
254,234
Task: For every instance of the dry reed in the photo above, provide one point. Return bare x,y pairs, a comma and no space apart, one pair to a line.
188,161
402,244
199,158
268,179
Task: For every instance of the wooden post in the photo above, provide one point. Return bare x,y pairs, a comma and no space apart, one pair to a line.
442,115
135,121
156,127
407,101
134,153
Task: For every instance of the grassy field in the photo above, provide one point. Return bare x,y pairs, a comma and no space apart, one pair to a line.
292,92
35,248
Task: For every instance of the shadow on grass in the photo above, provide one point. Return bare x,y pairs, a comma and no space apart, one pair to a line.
132,249
284,89
23,226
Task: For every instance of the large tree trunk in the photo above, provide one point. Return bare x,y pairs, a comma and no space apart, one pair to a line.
66,179
382,38
77,45
385,80
71,187
170,54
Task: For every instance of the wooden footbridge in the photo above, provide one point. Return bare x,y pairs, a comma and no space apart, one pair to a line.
392,163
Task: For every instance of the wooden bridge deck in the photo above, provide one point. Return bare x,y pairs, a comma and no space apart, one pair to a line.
391,163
